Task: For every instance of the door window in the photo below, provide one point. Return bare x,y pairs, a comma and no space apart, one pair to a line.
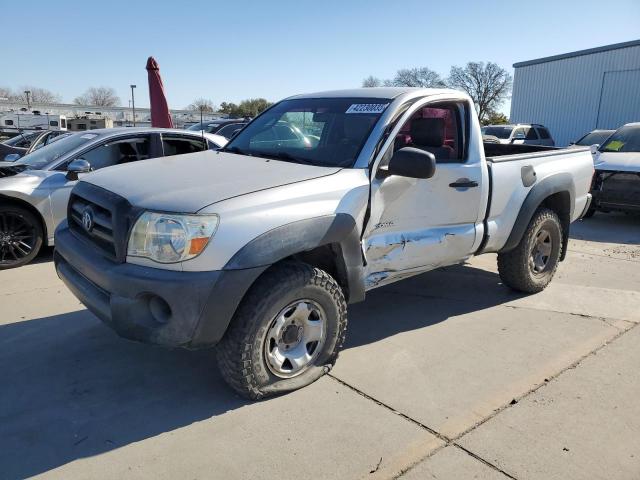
543,132
177,145
229,130
436,128
117,152
519,134
530,134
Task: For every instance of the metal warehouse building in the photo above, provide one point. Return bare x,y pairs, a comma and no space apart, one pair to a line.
574,93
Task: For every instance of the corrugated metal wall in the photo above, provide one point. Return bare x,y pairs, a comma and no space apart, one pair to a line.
572,96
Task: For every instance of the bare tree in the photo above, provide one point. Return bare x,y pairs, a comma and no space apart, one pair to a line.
371,81
99,97
416,77
202,103
5,92
36,95
487,84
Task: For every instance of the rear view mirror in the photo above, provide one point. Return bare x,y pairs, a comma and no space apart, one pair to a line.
321,117
76,167
410,162
594,148
12,157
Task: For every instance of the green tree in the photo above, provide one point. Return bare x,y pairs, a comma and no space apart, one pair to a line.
246,108
495,118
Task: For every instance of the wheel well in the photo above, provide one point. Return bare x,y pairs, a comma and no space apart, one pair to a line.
328,258
4,200
560,203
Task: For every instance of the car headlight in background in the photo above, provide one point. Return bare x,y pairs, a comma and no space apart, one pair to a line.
171,238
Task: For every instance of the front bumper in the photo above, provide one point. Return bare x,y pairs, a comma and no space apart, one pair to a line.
151,305
614,190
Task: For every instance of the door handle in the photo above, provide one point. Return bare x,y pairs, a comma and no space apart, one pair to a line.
463,183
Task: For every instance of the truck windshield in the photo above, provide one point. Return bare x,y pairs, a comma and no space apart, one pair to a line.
326,132
500,132
625,139
42,158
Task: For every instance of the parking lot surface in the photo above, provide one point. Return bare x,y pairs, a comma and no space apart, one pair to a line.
447,375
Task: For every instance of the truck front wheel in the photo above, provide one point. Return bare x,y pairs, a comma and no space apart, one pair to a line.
530,266
286,333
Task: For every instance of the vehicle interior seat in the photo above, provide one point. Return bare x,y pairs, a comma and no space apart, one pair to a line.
428,134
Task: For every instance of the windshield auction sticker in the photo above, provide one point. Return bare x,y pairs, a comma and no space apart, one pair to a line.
367,108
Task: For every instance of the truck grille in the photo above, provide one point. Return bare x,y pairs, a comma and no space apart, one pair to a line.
101,218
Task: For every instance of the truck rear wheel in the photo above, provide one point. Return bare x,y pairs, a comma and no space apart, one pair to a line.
530,266
286,333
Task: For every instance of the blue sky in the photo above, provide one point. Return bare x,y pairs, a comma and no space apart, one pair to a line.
235,49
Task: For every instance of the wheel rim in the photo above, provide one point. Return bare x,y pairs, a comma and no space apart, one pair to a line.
17,238
541,251
295,338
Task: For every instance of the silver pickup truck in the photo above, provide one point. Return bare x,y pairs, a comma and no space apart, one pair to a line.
260,246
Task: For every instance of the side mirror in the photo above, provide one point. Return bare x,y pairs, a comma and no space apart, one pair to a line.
12,157
76,167
410,162
594,148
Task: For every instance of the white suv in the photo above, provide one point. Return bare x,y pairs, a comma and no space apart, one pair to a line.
521,133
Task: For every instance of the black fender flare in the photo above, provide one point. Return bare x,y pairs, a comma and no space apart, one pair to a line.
551,185
293,238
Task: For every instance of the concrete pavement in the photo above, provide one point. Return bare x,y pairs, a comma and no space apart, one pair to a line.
445,375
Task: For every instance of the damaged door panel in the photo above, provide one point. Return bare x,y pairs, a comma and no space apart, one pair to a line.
396,255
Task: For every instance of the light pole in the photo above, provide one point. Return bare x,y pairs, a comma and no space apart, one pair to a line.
27,93
133,105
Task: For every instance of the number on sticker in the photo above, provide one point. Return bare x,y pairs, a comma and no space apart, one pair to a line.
367,108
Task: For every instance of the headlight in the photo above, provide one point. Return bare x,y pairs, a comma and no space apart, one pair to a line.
171,238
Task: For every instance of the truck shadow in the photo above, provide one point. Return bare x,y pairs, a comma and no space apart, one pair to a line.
72,389
611,227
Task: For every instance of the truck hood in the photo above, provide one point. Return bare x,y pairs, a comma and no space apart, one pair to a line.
188,183
618,161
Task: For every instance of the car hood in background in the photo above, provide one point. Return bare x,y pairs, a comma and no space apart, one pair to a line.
188,183
618,161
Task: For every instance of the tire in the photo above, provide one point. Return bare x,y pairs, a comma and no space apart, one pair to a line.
21,236
530,266
283,313
590,212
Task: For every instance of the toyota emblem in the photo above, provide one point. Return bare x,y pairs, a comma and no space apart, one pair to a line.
87,220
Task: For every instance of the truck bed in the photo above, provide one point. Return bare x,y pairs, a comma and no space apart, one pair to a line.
493,150
515,169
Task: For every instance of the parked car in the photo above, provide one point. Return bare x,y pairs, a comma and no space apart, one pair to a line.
26,142
595,137
34,190
520,134
616,183
259,247
226,127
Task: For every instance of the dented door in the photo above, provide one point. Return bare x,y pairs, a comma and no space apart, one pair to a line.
417,225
